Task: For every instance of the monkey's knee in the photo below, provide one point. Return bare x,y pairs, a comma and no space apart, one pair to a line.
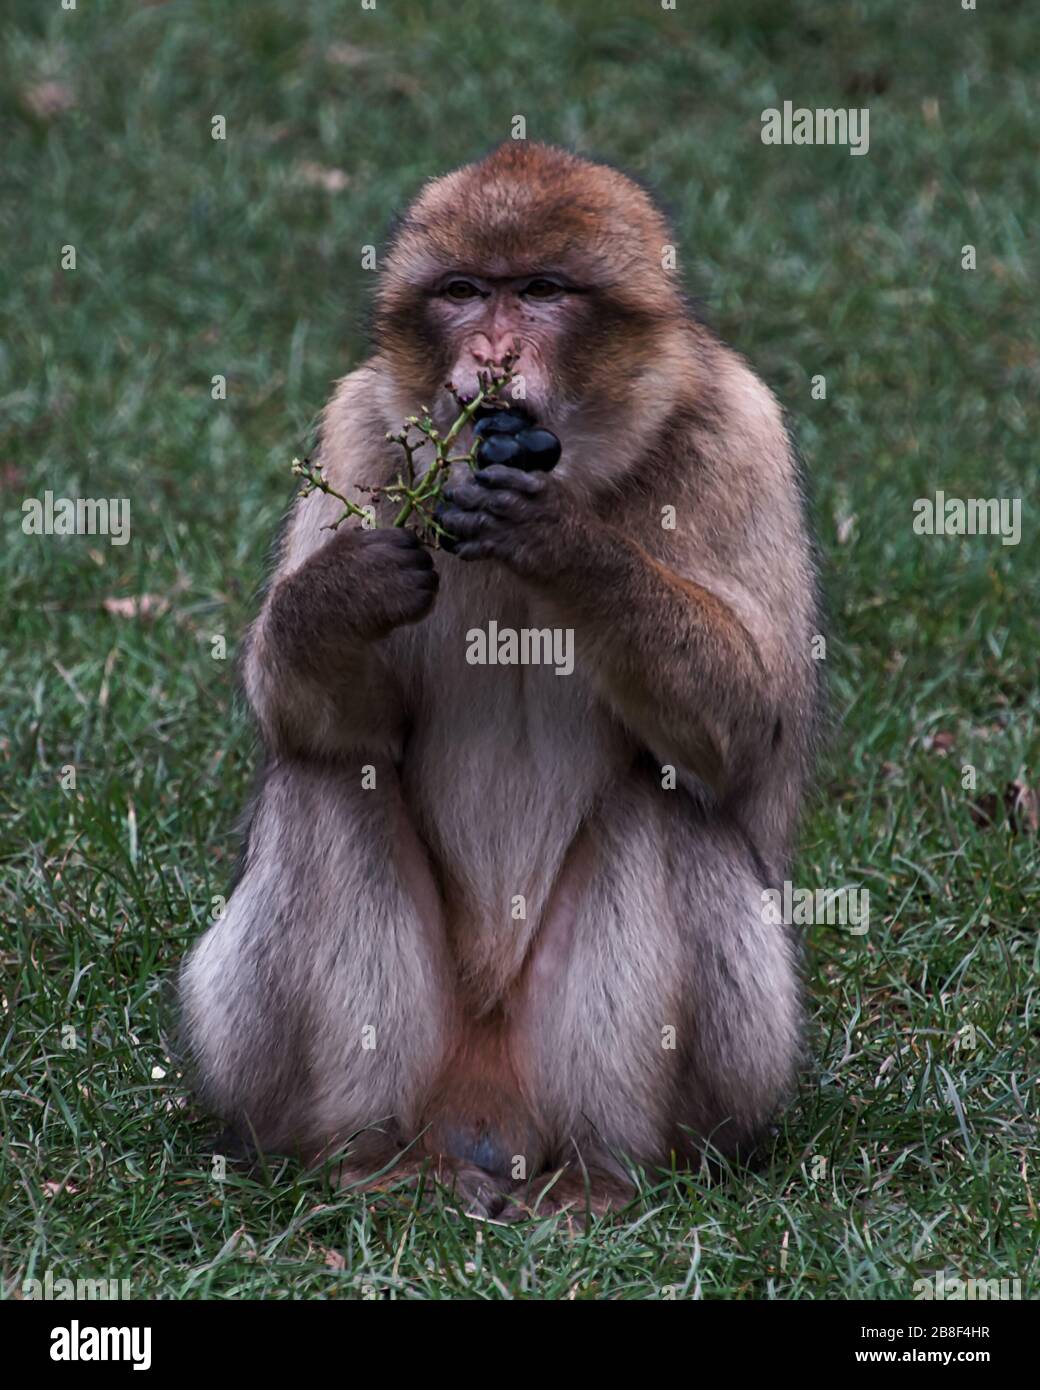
740,1071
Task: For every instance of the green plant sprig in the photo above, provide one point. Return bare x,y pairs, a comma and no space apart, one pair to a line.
416,496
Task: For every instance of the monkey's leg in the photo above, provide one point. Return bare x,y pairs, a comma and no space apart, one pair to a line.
470,1189
575,1190
658,1000
740,1044
319,1003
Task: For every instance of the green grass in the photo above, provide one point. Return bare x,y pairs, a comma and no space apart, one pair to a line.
198,257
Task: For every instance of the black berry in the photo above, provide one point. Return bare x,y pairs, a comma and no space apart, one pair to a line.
541,450
499,448
501,422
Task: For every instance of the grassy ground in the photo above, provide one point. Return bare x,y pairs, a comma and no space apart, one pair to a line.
198,257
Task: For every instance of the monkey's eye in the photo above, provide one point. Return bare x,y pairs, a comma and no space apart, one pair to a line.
460,290
542,289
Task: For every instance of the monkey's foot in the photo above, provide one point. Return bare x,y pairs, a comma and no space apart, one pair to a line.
464,1186
578,1193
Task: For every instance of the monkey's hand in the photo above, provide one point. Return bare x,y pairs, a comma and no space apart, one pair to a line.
361,585
525,520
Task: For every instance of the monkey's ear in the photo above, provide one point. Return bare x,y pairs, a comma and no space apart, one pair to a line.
393,230
365,321
401,222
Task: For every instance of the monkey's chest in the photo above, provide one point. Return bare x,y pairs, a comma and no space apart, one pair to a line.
509,749
502,771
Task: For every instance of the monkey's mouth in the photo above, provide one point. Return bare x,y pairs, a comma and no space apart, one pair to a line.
484,412
503,408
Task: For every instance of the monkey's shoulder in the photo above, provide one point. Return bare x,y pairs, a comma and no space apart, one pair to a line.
353,445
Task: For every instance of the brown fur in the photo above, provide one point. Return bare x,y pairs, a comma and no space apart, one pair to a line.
539,1038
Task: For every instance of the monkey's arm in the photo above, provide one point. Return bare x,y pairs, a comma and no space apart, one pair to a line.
694,666
675,659
314,672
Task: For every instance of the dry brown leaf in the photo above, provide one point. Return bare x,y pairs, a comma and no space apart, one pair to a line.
346,55
140,606
52,1188
983,810
48,99
871,82
405,82
1023,808
322,176
941,742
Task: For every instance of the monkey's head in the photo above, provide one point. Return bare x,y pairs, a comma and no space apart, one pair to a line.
536,251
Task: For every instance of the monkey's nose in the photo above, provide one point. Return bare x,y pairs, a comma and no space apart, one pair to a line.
487,352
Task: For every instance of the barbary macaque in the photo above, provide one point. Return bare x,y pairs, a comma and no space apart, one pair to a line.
507,923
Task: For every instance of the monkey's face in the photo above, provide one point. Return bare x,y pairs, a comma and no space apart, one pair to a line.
483,320
538,253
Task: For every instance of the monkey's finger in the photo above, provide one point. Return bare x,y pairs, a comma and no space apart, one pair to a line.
421,561
508,505
424,580
400,558
464,525
393,538
477,490
398,561
486,549
505,506
465,495
501,475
